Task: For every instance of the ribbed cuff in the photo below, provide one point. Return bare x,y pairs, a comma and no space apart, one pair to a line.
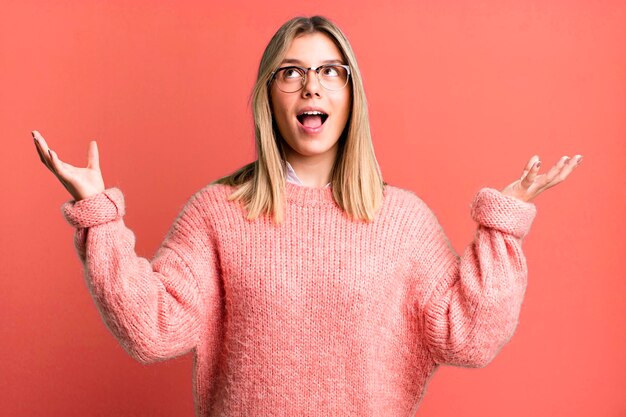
507,214
97,209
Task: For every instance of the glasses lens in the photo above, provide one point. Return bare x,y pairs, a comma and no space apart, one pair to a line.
289,79
333,77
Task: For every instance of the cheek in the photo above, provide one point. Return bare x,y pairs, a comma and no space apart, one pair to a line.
280,118
345,105
279,109
346,99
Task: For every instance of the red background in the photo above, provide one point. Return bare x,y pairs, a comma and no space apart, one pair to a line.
461,95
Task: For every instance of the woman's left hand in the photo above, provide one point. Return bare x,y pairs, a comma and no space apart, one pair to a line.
530,185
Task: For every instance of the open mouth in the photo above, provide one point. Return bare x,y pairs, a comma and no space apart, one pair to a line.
312,119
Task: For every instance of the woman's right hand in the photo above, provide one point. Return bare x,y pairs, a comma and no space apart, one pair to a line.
80,182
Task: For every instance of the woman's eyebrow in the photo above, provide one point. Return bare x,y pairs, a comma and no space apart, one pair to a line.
297,61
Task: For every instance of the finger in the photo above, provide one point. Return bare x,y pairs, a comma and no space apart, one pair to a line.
42,149
92,156
57,164
58,169
529,165
569,167
579,159
39,152
532,175
551,178
552,175
53,162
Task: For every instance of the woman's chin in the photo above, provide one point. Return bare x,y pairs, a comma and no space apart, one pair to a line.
313,146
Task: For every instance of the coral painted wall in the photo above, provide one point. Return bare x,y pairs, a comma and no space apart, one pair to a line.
461,94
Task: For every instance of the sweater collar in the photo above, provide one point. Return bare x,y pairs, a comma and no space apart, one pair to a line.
309,196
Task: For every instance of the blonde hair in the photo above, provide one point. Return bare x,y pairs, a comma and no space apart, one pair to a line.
356,180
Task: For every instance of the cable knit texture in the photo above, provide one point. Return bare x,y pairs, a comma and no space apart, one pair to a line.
319,316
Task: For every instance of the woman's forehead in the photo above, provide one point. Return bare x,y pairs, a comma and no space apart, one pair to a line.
313,49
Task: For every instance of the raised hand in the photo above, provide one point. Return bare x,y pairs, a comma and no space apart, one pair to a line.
80,182
531,183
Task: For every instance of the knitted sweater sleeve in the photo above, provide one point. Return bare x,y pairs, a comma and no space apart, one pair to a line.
153,307
471,304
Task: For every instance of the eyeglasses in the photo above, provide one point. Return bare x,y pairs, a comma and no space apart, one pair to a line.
290,79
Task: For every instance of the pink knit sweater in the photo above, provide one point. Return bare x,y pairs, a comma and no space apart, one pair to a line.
321,316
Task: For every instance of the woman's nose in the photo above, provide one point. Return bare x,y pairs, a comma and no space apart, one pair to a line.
312,84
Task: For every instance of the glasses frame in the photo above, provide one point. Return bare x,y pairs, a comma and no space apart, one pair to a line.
306,73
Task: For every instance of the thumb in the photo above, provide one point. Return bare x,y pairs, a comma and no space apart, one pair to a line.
92,156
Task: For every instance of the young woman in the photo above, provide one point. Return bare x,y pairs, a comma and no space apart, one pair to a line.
303,283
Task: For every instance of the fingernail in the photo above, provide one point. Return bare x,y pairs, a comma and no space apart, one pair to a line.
537,164
580,158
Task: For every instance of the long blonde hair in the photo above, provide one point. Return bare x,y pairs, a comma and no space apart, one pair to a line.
356,180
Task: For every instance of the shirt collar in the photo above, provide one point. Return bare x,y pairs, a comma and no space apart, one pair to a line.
292,177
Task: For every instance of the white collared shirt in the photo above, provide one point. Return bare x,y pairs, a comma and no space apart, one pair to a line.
292,177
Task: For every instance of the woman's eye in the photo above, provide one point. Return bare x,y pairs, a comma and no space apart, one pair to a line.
292,73
330,72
